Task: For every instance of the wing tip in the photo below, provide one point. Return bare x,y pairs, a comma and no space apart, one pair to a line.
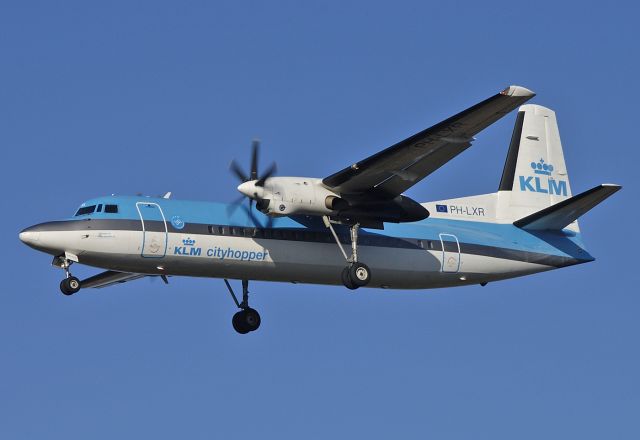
518,91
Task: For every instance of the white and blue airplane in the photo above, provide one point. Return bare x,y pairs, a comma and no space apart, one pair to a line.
300,226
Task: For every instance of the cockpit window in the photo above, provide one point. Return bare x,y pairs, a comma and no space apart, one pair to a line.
86,210
111,209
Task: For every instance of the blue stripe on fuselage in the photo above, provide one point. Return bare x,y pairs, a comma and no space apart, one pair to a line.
507,236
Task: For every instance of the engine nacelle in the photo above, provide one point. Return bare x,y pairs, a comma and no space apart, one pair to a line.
308,196
335,203
299,196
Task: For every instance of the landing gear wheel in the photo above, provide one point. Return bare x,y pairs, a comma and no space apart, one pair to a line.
245,321
356,274
346,279
252,319
360,274
238,323
70,285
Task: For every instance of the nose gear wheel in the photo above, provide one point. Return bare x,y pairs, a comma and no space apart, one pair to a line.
70,284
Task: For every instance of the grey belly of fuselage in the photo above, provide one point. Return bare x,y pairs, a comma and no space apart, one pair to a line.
280,260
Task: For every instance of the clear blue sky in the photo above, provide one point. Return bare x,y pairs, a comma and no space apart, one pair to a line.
126,97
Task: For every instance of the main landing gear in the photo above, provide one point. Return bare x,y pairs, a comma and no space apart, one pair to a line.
247,319
356,274
70,284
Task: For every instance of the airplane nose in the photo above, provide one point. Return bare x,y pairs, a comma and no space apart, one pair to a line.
29,236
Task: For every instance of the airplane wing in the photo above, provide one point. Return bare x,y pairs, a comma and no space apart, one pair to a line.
110,278
390,172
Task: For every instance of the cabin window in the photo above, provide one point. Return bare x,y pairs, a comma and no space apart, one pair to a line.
111,209
249,232
450,246
86,210
99,208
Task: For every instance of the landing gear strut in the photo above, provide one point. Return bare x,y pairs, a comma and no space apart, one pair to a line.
356,274
247,319
70,284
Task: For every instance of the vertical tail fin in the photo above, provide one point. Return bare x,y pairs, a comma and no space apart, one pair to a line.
535,175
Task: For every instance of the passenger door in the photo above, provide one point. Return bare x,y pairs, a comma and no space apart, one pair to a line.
154,230
450,253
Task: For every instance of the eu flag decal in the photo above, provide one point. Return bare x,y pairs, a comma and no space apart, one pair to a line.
441,208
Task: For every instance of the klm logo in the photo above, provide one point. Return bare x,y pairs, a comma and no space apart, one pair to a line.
543,182
188,248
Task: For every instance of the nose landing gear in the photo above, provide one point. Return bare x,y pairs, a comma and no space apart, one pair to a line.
247,319
70,284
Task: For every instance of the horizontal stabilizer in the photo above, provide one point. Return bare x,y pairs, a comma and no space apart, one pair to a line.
557,216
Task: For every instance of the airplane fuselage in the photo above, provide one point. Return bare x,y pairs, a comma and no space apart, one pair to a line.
156,236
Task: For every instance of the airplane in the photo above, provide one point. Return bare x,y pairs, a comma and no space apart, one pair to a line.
296,229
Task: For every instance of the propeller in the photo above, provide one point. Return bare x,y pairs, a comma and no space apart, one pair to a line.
251,183
253,175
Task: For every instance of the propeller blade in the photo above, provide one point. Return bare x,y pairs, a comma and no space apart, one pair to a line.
252,217
235,169
255,146
268,224
270,172
234,205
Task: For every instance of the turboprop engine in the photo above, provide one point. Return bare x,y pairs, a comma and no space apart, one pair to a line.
286,196
293,196
308,196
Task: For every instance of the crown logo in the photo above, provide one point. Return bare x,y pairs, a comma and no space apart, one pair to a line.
542,168
188,242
